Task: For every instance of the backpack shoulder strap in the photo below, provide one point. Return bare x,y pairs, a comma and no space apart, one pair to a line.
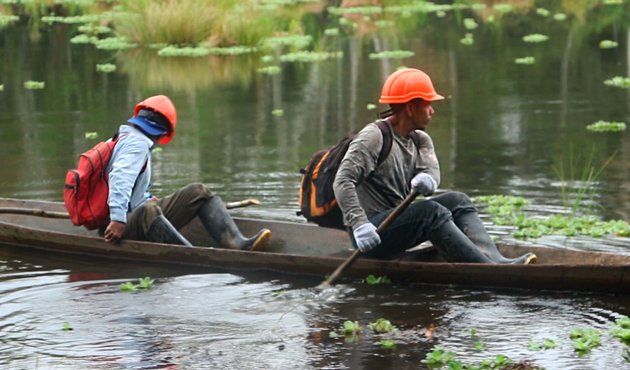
415,136
388,140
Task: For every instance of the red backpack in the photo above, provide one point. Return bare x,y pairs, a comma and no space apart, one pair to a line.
86,189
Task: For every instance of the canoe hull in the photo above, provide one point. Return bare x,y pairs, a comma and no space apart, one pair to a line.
307,249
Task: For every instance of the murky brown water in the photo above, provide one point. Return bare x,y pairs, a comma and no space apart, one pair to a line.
503,130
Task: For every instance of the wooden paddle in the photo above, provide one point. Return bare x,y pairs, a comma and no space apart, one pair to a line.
52,214
384,225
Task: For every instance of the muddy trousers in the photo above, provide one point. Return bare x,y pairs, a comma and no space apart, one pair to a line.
178,208
159,221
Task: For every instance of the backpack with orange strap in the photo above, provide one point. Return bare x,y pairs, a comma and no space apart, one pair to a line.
316,197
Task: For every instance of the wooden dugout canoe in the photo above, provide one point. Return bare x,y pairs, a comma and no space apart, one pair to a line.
308,249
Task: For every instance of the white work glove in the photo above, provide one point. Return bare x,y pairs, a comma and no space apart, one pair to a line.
366,237
423,184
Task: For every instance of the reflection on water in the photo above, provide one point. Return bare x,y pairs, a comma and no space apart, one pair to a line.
193,318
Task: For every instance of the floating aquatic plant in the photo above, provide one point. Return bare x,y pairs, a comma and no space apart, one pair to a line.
525,60
618,81
1,87
331,31
34,85
605,126
6,20
607,44
67,326
503,8
351,327
468,39
270,70
621,329
370,106
89,18
612,2
382,326
232,50
143,283
91,135
584,339
114,43
84,39
310,56
175,51
542,11
296,41
559,17
509,211
106,68
94,30
278,112
365,10
373,280
544,345
392,54
470,24
535,37
387,344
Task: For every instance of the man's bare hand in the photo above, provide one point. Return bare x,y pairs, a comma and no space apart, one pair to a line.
114,232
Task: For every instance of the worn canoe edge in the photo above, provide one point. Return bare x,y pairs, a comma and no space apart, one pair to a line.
310,250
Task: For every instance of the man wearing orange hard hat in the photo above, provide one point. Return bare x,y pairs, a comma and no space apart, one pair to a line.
368,188
135,214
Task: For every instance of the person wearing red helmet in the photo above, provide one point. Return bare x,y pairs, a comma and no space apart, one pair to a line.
367,191
135,214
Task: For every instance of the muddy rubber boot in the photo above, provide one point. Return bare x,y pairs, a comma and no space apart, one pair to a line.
218,222
473,227
162,231
455,246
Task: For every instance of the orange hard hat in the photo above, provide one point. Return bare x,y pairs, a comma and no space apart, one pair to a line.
406,84
163,105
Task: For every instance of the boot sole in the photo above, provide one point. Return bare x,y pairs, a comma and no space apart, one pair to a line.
261,242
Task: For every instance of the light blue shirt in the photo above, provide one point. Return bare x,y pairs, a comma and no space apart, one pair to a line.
129,173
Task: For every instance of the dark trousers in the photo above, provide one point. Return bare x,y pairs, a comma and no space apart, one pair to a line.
416,223
179,208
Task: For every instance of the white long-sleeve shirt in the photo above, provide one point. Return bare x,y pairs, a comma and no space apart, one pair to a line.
129,173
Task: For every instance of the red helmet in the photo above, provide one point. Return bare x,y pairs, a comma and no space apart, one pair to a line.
406,84
163,105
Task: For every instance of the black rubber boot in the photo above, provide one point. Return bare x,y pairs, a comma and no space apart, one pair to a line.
162,231
455,246
472,226
216,219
